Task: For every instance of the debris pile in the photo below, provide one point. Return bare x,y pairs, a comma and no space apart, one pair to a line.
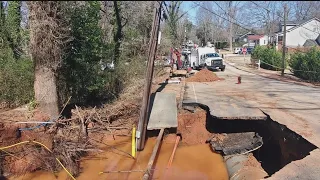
204,76
68,139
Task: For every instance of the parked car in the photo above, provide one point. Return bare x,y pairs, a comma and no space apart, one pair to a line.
249,50
237,50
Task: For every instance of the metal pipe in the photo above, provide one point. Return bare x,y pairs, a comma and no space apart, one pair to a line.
237,169
147,174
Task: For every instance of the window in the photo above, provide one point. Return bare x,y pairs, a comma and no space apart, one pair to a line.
264,41
280,38
212,55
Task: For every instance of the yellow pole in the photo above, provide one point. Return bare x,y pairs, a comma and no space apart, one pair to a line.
133,149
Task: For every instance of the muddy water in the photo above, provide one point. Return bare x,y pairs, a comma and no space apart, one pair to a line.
190,162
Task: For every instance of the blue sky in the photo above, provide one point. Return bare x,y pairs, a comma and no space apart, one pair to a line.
187,6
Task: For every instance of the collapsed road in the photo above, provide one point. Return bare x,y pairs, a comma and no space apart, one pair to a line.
286,115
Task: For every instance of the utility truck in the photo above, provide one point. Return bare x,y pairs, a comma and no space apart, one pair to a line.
206,57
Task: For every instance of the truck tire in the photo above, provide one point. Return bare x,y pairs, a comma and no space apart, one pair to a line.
222,69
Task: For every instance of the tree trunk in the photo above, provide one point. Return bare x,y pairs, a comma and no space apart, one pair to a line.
118,35
2,15
45,88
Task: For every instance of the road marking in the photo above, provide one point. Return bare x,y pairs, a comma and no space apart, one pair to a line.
194,92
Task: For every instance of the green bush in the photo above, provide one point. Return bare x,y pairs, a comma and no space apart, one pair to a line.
270,58
306,65
16,79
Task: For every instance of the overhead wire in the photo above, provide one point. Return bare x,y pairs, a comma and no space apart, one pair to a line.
233,18
287,31
281,16
238,24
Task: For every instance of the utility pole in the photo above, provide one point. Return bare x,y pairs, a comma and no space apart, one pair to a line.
185,34
143,119
230,20
269,28
284,39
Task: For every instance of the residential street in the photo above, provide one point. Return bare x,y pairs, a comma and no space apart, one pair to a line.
295,106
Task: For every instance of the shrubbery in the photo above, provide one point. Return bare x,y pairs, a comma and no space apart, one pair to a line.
16,79
270,58
306,65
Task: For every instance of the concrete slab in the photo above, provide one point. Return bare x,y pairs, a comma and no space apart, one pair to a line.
163,112
221,106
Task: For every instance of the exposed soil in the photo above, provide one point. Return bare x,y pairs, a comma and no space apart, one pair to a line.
252,162
192,127
204,76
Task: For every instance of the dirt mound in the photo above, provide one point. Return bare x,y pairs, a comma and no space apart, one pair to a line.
204,76
192,127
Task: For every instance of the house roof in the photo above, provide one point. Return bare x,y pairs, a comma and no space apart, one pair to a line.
297,23
290,23
242,35
304,22
255,37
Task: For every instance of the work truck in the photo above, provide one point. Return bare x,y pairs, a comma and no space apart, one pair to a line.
206,57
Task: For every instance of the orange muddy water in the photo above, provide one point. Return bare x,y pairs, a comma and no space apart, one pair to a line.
190,162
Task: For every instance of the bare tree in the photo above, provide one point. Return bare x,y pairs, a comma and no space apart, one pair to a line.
172,9
48,36
306,9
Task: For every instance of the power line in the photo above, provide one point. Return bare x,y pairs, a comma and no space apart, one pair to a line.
222,17
230,16
221,8
280,16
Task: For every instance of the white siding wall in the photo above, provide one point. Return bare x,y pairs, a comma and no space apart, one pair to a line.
263,41
300,35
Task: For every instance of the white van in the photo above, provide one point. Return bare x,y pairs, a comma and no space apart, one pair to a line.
237,50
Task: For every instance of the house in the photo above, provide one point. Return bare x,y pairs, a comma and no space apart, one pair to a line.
301,33
242,38
260,40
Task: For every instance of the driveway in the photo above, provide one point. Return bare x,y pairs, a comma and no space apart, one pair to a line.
295,106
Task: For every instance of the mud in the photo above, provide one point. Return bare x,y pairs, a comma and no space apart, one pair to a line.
192,127
23,158
204,75
187,163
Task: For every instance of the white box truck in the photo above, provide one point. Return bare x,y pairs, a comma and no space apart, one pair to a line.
206,57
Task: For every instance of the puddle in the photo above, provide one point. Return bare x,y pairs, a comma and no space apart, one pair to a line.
190,162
